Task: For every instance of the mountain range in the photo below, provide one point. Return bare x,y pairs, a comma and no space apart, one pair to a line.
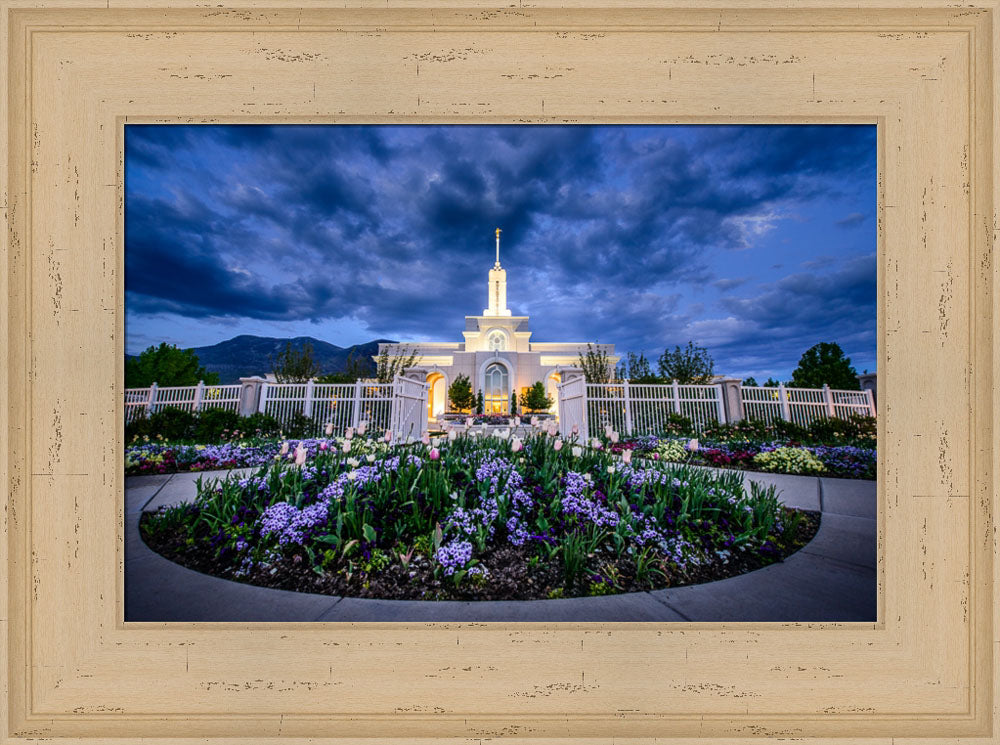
246,355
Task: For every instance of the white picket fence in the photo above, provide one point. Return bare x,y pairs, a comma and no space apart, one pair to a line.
804,405
632,409
140,402
343,405
400,406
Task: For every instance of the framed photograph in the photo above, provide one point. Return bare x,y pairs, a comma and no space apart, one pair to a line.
857,144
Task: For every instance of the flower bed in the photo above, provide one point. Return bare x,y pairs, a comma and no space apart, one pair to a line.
475,518
841,461
169,458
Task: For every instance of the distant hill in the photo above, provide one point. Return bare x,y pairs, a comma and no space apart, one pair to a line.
247,355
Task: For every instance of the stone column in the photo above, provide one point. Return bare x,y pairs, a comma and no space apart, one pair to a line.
732,398
250,394
869,382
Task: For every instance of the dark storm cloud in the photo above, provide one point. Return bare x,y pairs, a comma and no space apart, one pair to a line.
607,231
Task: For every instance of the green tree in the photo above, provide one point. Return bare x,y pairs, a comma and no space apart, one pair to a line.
769,383
355,369
513,404
480,402
460,393
534,399
166,365
294,365
691,365
393,360
596,365
825,364
636,369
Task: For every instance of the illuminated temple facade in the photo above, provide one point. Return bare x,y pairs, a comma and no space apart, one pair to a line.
497,354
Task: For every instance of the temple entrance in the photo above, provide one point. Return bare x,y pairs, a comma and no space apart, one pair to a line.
437,395
552,391
496,389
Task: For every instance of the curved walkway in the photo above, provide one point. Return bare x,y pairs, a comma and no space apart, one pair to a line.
833,578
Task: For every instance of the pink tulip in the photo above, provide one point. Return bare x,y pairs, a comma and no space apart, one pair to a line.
346,447
627,456
614,437
656,456
323,446
300,455
362,428
693,445
576,429
284,448
435,454
349,433
557,445
426,439
329,429
388,436
468,421
515,445
607,430
534,421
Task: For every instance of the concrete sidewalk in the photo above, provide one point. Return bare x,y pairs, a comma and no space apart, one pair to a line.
831,579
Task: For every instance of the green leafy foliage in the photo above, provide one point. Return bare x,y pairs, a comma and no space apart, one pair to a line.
213,425
825,364
596,364
635,368
690,365
789,460
295,365
393,359
535,398
166,365
460,393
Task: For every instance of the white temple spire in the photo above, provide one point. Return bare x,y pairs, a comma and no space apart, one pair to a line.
497,298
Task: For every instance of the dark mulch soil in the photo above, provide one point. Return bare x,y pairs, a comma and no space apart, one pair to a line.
512,575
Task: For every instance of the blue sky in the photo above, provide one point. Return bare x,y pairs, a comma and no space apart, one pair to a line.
755,242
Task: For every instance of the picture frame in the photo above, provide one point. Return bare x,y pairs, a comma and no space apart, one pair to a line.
77,71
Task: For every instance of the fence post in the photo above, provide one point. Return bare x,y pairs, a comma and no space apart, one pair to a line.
262,406
356,417
307,405
786,413
871,401
828,400
249,392
628,408
677,396
199,395
720,392
152,399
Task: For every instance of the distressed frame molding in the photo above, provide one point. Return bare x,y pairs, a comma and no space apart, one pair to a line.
77,71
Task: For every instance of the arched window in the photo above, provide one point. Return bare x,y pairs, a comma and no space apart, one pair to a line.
497,341
497,389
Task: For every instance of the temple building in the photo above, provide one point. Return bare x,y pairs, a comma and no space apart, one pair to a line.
497,354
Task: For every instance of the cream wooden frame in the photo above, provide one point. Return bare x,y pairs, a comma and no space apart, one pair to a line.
923,71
